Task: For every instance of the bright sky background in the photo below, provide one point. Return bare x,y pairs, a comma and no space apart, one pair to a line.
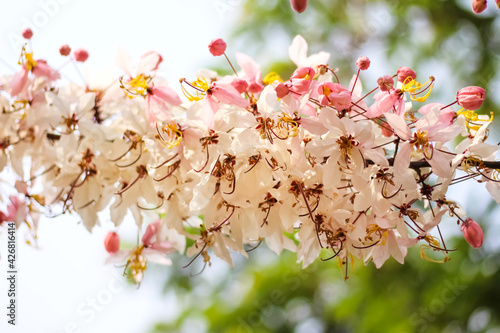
58,283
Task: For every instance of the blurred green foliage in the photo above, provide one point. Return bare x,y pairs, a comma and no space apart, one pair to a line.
267,293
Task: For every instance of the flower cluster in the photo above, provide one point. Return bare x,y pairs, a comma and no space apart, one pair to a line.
306,164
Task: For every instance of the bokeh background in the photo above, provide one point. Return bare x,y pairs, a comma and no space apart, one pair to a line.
64,285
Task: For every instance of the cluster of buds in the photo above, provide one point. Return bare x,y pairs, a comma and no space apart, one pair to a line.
307,164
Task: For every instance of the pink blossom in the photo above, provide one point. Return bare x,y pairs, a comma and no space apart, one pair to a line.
27,33
65,50
404,73
112,242
471,97
446,115
386,101
301,79
478,6
161,95
334,94
385,83
363,63
17,211
151,231
298,5
217,47
473,233
158,57
18,82
81,55
42,69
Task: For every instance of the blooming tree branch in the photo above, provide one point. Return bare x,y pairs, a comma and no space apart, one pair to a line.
306,164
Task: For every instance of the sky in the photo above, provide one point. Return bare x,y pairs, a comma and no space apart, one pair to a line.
64,286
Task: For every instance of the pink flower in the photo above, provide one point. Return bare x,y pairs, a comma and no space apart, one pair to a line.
151,231
112,242
27,33
298,5
478,6
155,55
334,94
42,69
217,47
81,55
471,97
363,63
386,101
301,79
404,73
446,115
473,233
65,50
385,83
160,95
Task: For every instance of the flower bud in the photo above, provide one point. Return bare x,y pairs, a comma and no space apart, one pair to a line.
240,85
65,50
112,242
363,63
471,98
498,3
478,6
298,5
473,233
217,47
27,33
282,90
385,83
404,73
81,55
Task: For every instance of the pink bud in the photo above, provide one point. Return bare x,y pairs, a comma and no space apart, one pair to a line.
282,90
473,233
363,63
65,50
81,55
498,3
150,232
478,6
298,5
404,73
217,47
112,242
385,83
240,85
471,98
27,33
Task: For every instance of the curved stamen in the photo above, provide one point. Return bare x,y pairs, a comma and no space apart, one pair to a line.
233,186
175,167
206,162
153,208
256,246
192,260
162,164
217,228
